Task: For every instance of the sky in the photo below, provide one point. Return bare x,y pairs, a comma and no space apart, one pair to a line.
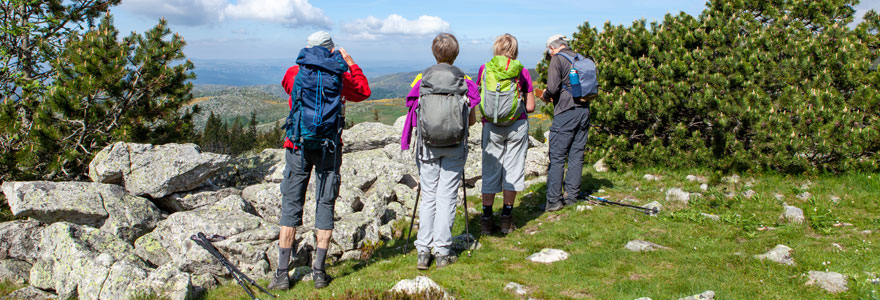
384,33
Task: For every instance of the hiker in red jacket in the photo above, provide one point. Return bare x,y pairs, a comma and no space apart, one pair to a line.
298,168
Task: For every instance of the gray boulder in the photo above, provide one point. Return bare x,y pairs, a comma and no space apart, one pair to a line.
15,271
19,240
50,202
155,170
148,248
264,167
832,282
85,203
77,261
29,293
248,237
369,136
420,285
349,232
184,201
537,161
171,283
779,254
600,166
266,200
642,246
792,214
677,195
707,295
548,256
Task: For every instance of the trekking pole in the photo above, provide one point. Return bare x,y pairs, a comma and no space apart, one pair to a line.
647,210
413,219
467,232
204,242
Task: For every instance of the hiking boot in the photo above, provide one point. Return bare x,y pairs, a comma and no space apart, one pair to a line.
507,224
555,206
424,261
280,282
444,260
487,226
321,279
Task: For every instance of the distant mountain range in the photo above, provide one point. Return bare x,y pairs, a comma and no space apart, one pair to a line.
237,98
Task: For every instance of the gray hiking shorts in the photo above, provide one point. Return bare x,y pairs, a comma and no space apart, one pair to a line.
504,156
296,181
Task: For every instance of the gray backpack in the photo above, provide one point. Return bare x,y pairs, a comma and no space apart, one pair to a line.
443,107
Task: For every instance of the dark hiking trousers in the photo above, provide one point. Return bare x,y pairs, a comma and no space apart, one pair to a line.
295,184
568,138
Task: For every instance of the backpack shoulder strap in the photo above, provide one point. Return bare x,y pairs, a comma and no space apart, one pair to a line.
566,56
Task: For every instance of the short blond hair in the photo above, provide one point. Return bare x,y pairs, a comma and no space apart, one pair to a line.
445,48
506,45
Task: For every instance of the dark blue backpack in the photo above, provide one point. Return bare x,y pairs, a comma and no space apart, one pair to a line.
582,80
316,119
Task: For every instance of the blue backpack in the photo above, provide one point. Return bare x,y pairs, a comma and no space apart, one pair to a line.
583,81
316,119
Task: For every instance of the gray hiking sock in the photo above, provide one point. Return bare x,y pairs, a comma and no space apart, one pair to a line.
320,255
284,259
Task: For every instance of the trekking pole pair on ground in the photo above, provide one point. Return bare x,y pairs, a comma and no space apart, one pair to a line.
205,242
416,206
647,210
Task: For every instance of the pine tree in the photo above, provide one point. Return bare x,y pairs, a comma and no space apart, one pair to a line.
71,87
781,85
252,129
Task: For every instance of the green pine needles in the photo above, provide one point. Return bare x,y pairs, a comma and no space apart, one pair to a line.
779,85
72,86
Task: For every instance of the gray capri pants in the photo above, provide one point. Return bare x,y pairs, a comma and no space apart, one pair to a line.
295,184
504,156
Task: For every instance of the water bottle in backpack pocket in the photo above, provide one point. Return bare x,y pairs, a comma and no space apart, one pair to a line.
583,81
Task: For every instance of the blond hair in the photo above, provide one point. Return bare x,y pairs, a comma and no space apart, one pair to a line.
506,45
445,48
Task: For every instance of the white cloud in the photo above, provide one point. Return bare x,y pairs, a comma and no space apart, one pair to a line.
186,12
201,12
373,28
288,12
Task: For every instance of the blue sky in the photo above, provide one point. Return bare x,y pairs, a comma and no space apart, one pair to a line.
383,33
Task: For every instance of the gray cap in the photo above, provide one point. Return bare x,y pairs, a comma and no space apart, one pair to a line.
320,38
555,37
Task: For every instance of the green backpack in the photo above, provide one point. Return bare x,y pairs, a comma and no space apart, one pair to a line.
501,102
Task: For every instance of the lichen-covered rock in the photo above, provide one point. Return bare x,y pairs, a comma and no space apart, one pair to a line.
707,295
85,203
76,260
247,239
148,248
170,283
184,201
792,214
264,167
155,170
642,246
548,256
130,217
368,136
537,161
779,254
832,282
50,202
14,271
29,293
266,200
677,195
19,240
421,285
349,232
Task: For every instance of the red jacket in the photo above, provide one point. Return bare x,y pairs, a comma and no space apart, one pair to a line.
355,88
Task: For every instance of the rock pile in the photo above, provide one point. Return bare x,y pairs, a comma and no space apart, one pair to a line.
128,230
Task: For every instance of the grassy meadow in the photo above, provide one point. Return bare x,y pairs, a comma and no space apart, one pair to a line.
703,255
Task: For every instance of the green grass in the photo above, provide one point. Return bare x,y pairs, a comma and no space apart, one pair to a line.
704,254
7,287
